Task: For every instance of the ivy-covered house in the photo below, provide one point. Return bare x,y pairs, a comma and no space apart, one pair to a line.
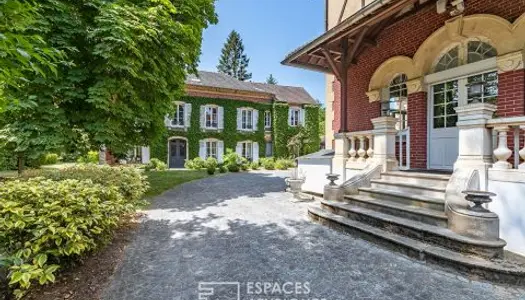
220,112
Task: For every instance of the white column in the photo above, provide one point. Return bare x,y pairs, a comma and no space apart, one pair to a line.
102,155
340,156
502,152
475,140
385,142
352,152
370,151
522,150
361,152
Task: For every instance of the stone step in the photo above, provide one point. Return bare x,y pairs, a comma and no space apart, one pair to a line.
424,179
436,235
408,188
402,198
420,214
502,271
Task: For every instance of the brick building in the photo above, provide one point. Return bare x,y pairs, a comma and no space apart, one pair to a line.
426,85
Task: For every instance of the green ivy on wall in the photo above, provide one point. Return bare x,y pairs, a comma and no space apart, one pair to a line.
281,131
229,135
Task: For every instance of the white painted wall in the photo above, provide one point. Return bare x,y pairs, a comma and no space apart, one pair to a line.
509,204
145,155
314,170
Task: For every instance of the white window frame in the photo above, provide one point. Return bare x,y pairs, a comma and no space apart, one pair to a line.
212,148
174,121
267,119
247,119
295,117
208,109
247,150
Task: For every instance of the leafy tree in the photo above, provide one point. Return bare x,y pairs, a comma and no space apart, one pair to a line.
322,118
22,50
233,61
271,79
128,60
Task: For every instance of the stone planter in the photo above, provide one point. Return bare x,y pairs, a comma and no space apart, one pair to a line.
295,184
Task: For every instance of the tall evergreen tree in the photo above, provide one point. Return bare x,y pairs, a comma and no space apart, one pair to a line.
233,61
271,79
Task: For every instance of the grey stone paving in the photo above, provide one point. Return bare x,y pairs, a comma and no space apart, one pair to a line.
244,228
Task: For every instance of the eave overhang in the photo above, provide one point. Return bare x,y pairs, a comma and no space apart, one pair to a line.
355,34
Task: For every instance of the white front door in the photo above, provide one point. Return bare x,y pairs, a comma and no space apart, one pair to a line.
443,133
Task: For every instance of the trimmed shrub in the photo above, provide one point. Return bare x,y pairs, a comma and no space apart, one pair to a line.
223,169
188,164
47,223
129,181
50,159
254,165
156,164
199,163
280,165
233,168
211,163
269,165
90,158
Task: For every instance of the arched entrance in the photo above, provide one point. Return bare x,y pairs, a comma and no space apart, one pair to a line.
178,151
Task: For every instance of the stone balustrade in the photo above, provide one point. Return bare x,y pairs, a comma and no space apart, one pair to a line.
361,148
505,130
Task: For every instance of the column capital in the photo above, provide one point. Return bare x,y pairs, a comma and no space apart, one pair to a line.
476,114
415,85
511,61
374,95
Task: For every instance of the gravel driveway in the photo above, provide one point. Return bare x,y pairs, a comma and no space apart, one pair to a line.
243,229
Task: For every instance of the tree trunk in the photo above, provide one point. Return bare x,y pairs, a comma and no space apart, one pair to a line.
21,163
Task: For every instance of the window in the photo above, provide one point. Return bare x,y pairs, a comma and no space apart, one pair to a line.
247,150
478,51
211,117
269,149
445,100
267,120
467,53
246,119
178,117
211,149
295,114
488,88
396,105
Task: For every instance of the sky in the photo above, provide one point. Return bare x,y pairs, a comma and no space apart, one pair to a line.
270,29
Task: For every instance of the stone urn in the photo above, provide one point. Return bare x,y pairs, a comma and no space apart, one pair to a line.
295,184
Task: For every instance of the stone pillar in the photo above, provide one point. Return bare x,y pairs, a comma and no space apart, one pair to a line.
385,142
102,155
474,152
340,155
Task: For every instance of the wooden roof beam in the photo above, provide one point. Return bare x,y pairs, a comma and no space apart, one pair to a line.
333,66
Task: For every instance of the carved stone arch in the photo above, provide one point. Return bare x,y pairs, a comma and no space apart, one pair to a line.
390,69
492,29
518,30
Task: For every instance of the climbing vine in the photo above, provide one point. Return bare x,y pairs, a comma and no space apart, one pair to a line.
281,131
229,135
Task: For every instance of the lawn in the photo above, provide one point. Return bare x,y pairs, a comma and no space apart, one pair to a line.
161,181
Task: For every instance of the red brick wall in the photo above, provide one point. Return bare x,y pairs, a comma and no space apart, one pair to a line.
404,38
511,92
417,121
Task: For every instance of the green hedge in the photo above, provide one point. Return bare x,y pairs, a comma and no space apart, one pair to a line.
46,223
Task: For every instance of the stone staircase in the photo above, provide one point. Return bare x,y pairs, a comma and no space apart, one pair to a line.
405,211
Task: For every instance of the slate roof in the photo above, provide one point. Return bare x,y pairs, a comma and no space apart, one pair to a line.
290,94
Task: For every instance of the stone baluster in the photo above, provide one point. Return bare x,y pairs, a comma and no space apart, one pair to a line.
522,150
361,152
352,152
370,151
502,152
